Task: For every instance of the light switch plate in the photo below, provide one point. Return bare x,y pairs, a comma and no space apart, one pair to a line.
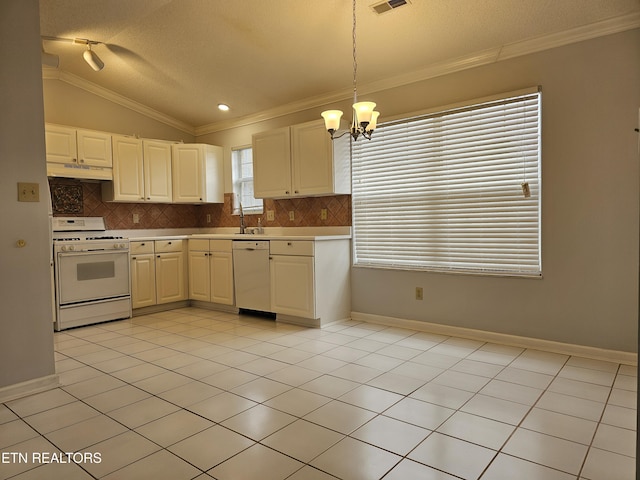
28,192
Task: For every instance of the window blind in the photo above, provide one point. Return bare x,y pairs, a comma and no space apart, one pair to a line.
242,175
443,191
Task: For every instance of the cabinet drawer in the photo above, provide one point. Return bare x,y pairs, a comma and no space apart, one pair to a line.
291,247
138,248
221,245
200,245
164,246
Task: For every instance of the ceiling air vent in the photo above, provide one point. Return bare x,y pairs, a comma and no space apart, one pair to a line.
387,5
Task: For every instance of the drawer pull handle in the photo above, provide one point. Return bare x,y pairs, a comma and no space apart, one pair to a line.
289,244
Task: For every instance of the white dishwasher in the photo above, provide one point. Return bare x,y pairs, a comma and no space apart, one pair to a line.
251,274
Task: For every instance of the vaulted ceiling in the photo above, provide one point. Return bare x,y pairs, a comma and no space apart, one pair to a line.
181,58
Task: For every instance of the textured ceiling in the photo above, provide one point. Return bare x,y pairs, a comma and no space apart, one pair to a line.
183,57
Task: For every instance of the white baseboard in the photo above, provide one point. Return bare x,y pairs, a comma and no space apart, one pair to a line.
37,385
615,356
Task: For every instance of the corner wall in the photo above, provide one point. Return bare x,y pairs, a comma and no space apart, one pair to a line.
26,328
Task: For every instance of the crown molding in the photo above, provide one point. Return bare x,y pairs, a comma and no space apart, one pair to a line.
537,44
575,35
50,74
477,59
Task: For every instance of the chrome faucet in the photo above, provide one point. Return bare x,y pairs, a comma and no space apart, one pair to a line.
242,225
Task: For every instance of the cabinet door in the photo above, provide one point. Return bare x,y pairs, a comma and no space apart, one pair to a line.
157,171
128,183
94,148
312,159
143,281
272,164
170,277
292,286
60,144
187,173
222,278
199,277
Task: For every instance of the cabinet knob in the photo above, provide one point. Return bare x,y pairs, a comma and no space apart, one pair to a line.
82,160
74,160
287,192
296,191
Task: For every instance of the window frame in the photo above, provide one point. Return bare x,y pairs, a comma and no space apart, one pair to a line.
237,181
364,230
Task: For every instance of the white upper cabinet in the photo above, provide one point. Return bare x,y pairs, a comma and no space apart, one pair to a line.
71,145
141,171
300,161
128,173
197,173
157,171
272,163
61,144
94,148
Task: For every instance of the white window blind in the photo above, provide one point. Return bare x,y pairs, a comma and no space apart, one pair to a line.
444,191
242,162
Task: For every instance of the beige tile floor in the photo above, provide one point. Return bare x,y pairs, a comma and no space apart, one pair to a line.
196,394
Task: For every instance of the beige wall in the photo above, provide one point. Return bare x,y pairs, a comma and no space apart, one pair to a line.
26,329
66,104
589,293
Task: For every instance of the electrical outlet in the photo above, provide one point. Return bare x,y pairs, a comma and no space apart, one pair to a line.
136,218
323,214
271,216
292,215
419,293
208,218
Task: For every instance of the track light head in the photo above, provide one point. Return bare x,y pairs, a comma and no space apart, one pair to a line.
92,59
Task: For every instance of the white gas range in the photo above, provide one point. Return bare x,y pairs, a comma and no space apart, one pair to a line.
91,272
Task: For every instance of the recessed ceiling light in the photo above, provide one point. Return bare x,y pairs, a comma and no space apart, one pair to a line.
223,106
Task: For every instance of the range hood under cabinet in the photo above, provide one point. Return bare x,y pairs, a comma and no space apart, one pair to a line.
77,153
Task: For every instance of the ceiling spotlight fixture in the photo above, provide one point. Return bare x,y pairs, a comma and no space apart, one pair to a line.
223,107
89,55
92,59
364,117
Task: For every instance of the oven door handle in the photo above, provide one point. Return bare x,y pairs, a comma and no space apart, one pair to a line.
93,252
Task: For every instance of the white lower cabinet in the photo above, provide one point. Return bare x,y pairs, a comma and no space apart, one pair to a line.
211,271
310,281
157,272
292,283
143,274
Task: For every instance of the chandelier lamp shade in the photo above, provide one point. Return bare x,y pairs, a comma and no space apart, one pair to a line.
364,115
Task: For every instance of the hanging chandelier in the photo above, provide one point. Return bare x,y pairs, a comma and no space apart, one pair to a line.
364,117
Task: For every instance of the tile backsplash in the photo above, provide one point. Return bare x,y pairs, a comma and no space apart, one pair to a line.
75,198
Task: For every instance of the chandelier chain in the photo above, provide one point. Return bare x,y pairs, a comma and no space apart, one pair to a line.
355,61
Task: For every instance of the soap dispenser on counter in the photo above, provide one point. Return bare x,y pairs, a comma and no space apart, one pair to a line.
260,229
